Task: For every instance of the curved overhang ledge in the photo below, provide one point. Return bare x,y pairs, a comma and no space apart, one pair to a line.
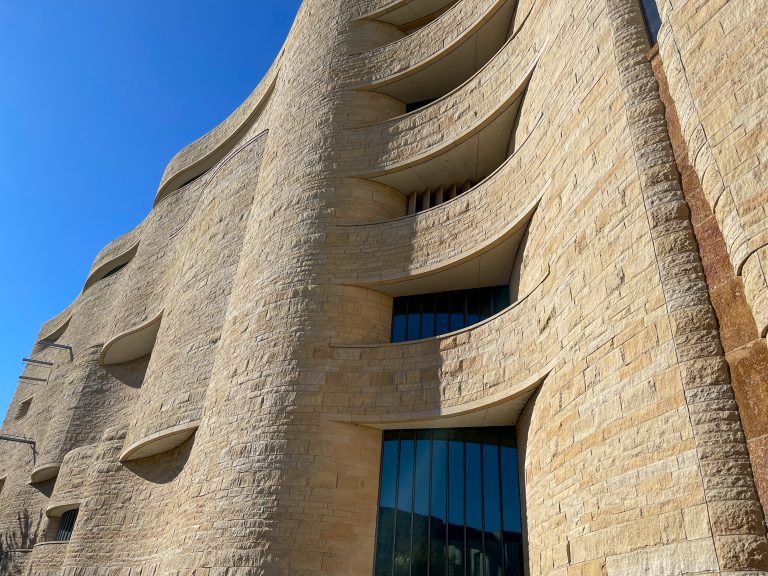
473,31
108,266
446,146
58,508
384,10
56,334
160,442
44,472
131,344
200,166
500,409
487,264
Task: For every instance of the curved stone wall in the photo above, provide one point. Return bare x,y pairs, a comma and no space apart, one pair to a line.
247,437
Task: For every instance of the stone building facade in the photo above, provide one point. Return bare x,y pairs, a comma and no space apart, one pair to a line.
214,401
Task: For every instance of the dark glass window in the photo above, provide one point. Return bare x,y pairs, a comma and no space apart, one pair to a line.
449,504
66,525
427,315
411,106
652,19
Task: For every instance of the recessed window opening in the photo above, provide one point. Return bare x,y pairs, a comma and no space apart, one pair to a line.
652,19
413,106
449,503
428,315
24,408
66,525
457,163
414,25
2,483
114,270
421,200
111,267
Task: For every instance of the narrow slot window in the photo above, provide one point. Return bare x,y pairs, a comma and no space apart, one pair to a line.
652,19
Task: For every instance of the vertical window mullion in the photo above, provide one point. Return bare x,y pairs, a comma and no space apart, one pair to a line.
413,503
429,516
482,503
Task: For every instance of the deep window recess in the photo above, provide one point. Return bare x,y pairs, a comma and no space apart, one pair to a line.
23,408
66,525
114,270
427,315
652,19
416,105
2,483
430,197
449,504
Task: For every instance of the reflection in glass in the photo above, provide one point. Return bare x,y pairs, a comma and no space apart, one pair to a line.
652,19
387,493
428,315
449,504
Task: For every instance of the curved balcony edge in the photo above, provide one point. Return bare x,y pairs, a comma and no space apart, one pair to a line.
460,39
516,304
160,442
517,223
131,344
430,153
176,177
56,333
102,270
44,472
379,12
503,407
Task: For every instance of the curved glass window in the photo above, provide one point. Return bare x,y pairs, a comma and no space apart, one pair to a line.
427,315
449,504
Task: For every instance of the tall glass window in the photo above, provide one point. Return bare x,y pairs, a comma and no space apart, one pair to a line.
652,19
449,504
66,525
427,315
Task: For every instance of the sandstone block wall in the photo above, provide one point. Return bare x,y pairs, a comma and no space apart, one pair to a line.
240,431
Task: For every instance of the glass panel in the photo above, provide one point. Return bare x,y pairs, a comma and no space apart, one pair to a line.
456,503
500,298
385,530
414,318
438,519
510,492
399,319
442,313
402,562
449,504
457,310
474,504
428,316
420,553
492,503
652,19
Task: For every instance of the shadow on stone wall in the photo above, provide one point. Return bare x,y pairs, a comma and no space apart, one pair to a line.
162,468
23,537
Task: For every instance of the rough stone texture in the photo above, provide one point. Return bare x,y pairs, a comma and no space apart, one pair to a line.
264,252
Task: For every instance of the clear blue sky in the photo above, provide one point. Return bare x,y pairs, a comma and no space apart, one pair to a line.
95,98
